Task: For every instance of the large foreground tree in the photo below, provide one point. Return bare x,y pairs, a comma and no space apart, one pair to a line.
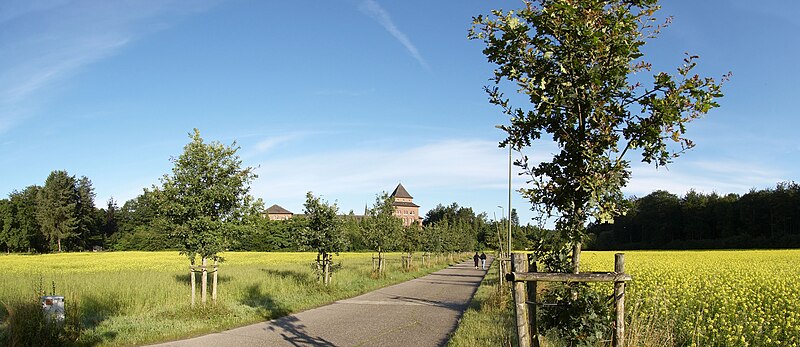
207,191
575,62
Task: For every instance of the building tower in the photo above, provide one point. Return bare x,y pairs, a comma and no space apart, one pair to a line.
404,206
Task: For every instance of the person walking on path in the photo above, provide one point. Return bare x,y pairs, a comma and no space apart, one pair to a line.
483,261
475,258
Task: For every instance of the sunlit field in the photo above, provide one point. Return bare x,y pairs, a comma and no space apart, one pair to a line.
128,298
710,298
681,298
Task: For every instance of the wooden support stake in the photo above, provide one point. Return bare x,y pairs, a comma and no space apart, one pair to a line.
501,275
191,274
326,264
204,282
532,290
214,283
618,339
519,263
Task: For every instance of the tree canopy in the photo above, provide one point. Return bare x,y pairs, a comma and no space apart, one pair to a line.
208,188
380,227
323,231
575,64
57,208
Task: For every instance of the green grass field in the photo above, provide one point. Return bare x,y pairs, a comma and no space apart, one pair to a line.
680,298
131,298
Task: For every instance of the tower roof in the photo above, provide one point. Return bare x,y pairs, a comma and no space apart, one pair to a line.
275,209
401,192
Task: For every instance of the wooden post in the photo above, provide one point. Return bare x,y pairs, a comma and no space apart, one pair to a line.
191,274
324,270
327,265
500,272
204,282
576,265
214,283
519,263
532,290
618,339
330,266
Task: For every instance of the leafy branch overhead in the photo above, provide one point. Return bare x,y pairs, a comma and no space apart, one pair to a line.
579,65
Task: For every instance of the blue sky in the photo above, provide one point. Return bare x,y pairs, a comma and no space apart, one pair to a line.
348,98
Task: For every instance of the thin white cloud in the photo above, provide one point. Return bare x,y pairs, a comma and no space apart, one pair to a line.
45,43
444,165
11,10
376,12
721,176
272,142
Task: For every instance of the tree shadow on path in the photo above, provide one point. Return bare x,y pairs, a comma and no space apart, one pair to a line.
294,333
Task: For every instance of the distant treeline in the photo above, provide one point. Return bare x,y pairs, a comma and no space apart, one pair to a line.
768,218
61,215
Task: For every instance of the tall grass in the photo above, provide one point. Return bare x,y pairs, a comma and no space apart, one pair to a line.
130,298
489,320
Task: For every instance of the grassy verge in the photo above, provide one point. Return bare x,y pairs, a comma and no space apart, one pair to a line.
489,319
132,298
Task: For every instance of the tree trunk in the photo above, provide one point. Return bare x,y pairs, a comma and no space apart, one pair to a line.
380,261
576,263
59,245
327,269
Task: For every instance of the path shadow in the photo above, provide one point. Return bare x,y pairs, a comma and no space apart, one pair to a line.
443,304
456,275
266,305
442,282
96,309
295,333
301,277
93,310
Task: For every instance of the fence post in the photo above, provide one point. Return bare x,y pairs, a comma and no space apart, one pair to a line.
519,263
532,290
500,271
618,339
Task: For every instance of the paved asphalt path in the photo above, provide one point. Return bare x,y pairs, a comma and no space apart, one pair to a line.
420,312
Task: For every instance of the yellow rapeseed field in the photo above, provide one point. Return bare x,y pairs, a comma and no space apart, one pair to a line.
709,298
131,298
